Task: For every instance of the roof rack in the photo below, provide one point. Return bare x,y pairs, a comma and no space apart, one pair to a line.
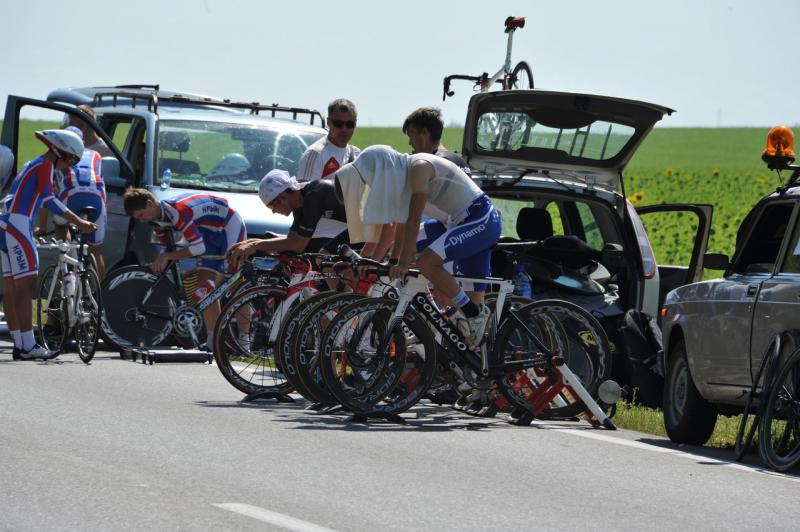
152,98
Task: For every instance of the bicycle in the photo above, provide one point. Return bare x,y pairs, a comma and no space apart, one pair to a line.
246,333
379,355
144,309
520,77
68,299
779,423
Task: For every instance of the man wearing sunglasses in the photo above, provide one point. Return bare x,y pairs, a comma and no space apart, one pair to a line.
30,190
323,158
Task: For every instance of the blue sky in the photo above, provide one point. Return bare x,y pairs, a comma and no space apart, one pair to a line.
728,63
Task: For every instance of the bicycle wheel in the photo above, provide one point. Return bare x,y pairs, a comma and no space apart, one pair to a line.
89,306
779,343
779,427
371,369
242,348
304,347
127,319
566,330
51,326
521,77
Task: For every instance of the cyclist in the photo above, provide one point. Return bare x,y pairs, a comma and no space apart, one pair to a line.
207,223
308,203
79,187
424,127
30,190
463,227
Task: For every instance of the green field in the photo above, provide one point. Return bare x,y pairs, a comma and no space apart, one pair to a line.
721,167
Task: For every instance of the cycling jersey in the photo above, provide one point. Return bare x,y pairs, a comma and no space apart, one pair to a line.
319,203
320,161
31,189
454,158
207,223
82,186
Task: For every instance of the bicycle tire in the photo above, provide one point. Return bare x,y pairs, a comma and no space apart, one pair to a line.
521,76
250,368
586,351
122,324
365,381
782,413
766,369
87,332
304,347
51,329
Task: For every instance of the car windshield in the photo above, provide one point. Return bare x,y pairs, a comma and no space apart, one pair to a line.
512,131
227,157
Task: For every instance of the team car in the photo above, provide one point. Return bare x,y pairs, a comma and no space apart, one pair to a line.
176,143
553,163
716,332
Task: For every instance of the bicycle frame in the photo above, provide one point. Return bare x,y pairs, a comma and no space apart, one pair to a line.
414,290
65,261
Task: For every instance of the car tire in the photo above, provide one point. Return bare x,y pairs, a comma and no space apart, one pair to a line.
688,417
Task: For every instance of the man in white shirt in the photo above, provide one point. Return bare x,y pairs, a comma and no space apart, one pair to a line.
323,158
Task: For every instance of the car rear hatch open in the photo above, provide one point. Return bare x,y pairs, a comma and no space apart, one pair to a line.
575,137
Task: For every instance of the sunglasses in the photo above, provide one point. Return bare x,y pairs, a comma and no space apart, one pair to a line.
350,124
72,160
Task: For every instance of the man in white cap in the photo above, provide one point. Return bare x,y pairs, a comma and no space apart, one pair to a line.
308,203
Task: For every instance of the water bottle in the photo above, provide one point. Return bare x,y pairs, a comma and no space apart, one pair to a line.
166,179
69,284
202,291
346,251
522,282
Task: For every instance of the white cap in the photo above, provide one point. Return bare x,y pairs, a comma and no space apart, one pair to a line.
6,163
75,130
275,182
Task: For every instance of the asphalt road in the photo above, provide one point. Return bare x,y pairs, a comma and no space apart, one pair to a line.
118,445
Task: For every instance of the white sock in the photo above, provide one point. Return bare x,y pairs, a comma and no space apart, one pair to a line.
28,341
17,336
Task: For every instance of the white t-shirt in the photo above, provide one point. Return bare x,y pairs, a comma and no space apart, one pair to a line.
321,160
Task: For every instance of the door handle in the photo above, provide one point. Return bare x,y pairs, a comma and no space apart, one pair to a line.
752,290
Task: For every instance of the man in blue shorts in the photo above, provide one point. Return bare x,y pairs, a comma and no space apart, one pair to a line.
463,224
30,190
208,224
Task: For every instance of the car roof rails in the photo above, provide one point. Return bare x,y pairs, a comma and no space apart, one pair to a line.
152,96
137,86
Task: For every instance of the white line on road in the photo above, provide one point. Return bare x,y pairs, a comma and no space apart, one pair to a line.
274,518
674,452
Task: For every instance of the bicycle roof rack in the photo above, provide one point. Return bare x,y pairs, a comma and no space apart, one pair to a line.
152,98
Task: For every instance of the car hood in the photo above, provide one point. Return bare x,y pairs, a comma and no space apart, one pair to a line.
257,217
583,138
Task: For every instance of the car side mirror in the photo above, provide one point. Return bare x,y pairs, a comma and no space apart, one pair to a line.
716,261
111,173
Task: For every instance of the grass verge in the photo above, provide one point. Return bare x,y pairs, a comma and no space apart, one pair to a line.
651,421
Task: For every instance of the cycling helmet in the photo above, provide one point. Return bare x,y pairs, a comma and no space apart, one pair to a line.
231,164
65,144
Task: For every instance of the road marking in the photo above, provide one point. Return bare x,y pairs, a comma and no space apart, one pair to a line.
673,452
274,518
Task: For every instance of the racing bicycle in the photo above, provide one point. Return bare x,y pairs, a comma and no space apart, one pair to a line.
520,77
68,301
379,355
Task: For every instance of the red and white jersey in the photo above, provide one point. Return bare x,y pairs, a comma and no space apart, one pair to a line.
323,159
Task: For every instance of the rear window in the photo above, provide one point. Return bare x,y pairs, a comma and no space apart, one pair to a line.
512,131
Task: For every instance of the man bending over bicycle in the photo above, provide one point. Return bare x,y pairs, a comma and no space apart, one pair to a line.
30,190
308,203
207,223
462,228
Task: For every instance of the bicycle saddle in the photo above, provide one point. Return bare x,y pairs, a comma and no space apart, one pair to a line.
513,23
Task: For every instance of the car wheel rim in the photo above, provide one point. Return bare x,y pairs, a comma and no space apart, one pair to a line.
679,390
